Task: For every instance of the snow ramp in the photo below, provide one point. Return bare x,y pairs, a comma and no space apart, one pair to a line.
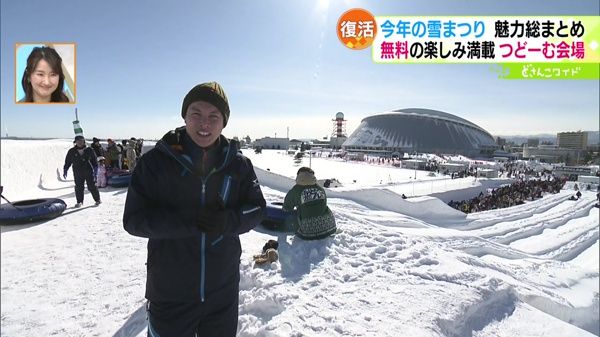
429,209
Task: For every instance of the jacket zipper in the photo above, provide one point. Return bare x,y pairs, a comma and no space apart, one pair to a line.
202,202
202,267
203,247
203,243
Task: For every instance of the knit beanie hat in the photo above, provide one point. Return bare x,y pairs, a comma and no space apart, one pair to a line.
306,178
210,92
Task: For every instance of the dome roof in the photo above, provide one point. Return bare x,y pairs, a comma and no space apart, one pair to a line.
420,130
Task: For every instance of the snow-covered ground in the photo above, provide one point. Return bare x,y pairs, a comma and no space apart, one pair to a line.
398,267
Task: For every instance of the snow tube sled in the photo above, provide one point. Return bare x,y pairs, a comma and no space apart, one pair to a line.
119,180
31,210
279,220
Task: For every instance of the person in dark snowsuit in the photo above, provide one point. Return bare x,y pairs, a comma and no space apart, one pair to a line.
85,166
192,195
97,147
123,150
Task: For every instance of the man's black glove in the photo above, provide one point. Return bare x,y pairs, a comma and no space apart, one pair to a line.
213,221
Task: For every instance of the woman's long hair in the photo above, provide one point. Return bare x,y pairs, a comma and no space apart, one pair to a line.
55,61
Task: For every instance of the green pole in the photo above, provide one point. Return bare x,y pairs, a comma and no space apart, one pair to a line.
76,127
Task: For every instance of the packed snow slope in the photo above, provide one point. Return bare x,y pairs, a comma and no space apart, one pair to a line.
397,267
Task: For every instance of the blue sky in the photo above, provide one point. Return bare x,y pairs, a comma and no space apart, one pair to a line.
280,63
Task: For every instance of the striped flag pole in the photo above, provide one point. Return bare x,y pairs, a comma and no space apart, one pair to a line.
76,127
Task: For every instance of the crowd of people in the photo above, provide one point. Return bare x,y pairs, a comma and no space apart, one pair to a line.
122,156
95,164
510,195
116,158
508,169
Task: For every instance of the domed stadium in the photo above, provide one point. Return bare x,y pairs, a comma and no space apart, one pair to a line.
420,130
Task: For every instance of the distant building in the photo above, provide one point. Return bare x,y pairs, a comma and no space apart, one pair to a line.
506,154
500,141
533,142
336,142
422,131
512,148
416,164
325,144
487,173
572,140
593,141
295,143
552,154
272,143
453,167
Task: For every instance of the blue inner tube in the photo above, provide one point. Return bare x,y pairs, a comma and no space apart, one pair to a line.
278,219
121,180
31,210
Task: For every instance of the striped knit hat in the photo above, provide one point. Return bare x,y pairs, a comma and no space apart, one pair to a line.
210,92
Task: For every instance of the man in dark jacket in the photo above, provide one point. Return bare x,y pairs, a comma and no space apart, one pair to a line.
85,167
192,195
97,147
123,150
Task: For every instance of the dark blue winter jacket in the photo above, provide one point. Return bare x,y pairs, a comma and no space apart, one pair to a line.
85,163
163,203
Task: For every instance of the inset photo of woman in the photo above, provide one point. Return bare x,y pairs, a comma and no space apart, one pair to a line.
45,73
